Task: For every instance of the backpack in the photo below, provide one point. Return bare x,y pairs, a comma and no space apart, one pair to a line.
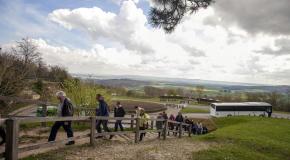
69,108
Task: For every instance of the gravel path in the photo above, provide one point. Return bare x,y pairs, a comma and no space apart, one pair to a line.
170,149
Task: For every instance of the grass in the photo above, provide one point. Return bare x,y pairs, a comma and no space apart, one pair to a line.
248,138
237,138
193,110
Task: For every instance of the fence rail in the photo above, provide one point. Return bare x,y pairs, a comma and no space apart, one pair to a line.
12,148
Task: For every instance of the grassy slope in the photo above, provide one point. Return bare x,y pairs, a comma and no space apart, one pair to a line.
248,138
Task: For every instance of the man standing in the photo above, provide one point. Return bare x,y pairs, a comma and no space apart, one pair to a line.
119,112
65,109
179,118
102,111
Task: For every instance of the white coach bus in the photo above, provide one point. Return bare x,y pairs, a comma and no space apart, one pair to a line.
244,108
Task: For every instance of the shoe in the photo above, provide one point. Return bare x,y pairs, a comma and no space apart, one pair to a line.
70,143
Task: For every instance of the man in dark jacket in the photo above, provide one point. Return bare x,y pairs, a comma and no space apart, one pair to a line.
178,118
65,109
102,110
119,112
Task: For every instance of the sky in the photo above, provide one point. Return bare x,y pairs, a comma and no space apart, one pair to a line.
232,40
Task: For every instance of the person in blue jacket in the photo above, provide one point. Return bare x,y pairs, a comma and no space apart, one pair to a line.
102,110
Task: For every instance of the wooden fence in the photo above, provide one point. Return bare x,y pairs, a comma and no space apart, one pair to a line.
12,129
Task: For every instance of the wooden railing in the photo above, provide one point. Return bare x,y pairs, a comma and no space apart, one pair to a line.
12,128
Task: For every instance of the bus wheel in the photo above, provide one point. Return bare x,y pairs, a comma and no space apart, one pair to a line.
262,115
229,115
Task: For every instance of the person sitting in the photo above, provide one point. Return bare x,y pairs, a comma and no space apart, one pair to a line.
194,128
199,128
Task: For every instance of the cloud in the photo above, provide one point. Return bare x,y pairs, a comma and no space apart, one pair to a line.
281,47
121,42
258,16
100,24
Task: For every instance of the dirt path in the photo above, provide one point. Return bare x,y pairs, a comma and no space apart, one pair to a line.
171,149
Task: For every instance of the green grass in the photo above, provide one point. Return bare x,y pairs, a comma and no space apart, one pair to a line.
193,110
250,138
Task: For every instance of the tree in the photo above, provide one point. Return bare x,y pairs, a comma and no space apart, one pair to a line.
83,94
168,13
58,74
28,51
199,90
12,74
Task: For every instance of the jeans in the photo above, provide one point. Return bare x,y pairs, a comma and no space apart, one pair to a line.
118,123
142,134
66,126
104,124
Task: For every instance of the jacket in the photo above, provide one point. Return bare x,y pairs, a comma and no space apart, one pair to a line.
67,108
119,112
179,118
159,124
144,120
103,109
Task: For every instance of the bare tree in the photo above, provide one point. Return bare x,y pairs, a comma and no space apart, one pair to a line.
28,51
168,13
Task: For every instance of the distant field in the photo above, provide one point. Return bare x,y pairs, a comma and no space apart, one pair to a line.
148,106
250,138
193,110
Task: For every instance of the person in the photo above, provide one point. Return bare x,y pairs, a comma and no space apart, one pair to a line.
187,121
2,135
199,127
137,110
65,109
119,112
144,117
159,124
170,124
102,110
178,118
164,115
194,128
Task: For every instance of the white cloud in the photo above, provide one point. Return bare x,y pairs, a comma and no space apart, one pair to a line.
194,50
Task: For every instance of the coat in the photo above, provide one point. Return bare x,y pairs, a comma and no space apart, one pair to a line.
119,112
67,108
144,120
103,109
159,124
179,118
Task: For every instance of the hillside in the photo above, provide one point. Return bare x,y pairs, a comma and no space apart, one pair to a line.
237,138
128,81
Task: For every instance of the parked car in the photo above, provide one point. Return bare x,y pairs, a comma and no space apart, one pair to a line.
51,111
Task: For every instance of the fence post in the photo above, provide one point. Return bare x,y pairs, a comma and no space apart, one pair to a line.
165,129
189,130
180,130
132,121
44,114
11,149
137,129
152,124
93,131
